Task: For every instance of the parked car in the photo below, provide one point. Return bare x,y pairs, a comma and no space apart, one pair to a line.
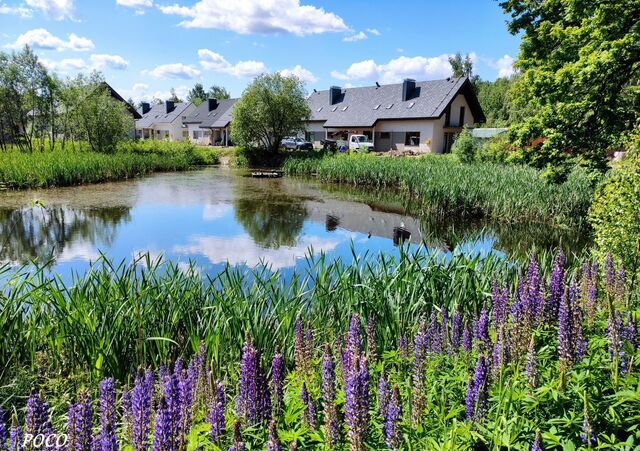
360,143
295,143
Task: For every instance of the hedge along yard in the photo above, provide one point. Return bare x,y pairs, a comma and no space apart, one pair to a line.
150,299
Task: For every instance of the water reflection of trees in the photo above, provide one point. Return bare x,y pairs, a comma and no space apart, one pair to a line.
43,233
270,215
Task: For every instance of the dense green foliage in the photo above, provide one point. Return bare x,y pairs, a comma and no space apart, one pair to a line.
444,186
59,167
579,76
465,147
36,108
271,108
495,100
615,214
197,94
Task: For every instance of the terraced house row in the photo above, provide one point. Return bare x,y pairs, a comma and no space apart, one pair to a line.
420,116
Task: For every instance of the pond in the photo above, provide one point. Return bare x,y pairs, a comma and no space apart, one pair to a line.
216,216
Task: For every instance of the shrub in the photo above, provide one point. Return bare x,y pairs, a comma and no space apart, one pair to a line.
496,150
615,214
465,146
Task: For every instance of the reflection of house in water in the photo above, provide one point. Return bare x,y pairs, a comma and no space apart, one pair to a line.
365,219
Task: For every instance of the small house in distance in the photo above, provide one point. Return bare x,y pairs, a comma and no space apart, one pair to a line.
420,116
163,121
208,124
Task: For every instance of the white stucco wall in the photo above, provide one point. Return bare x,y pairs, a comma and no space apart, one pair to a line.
458,102
425,127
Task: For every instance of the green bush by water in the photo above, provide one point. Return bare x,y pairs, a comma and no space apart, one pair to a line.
442,185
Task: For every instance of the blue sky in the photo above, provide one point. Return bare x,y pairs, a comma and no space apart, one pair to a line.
146,47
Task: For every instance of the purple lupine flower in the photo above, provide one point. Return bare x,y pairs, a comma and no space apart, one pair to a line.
391,427
174,408
216,412
420,350
331,426
434,335
384,394
467,340
483,330
537,443
80,423
456,330
531,367
556,288
107,439
500,304
610,274
309,408
238,444
354,343
478,390
127,412
15,435
534,301
35,418
274,440
371,340
630,333
253,402
277,382
308,350
141,403
187,383
403,346
357,404
3,432
300,346
566,343
499,354
579,339
163,439
587,436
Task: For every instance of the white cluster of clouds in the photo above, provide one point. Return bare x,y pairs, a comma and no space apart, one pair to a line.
258,16
174,71
504,66
361,36
98,62
143,92
397,69
54,9
40,38
213,61
305,75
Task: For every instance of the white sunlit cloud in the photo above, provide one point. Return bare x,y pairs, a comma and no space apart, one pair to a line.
139,5
99,62
104,61
356,37
140,92
20,11
213,61
55,9
397,69
41,38
65,66
176,71
242,249
505,66
258,16
304,75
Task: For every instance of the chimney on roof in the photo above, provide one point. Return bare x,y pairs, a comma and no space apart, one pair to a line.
334,94
145,107
169,106
213,104
408,87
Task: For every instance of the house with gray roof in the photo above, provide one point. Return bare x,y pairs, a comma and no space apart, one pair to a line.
163,121
209,123
421,116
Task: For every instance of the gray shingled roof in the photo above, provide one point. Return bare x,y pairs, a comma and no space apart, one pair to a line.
220,117
363,107
158,115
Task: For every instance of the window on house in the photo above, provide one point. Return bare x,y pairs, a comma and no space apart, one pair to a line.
462,111
412,139
448,142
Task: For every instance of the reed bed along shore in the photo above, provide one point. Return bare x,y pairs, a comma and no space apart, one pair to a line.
539,357
58,167
442,185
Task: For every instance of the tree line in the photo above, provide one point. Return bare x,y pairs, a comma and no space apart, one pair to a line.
39,111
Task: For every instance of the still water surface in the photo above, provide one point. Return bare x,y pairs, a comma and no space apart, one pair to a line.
214,216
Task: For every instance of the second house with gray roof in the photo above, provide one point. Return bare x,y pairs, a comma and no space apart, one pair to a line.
164,121
209,124
420,116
